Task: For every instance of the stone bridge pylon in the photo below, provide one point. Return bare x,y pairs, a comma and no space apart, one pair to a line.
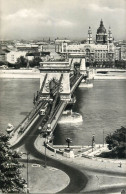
62,74
50,74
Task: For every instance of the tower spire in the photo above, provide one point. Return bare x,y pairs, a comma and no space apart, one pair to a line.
89,40
110,37
101,36
101,23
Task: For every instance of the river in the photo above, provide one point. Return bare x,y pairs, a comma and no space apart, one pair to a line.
103,108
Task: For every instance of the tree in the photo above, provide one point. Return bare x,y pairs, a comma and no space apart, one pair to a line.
120,64
35,62
10,178
21,62
10,65
117,143
3,63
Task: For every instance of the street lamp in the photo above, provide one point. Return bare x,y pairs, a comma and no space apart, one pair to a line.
69,140
46,137
27,171
93,141
98,180
103,137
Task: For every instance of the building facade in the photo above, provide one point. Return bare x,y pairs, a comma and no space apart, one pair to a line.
103,49
123,52
2,56
12,56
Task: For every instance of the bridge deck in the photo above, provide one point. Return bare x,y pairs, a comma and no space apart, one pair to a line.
31,118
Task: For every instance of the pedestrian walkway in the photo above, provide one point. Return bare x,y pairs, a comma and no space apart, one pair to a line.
44,180
104,174
86,159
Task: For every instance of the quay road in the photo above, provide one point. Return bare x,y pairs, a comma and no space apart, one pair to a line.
78,174
103,177
77,179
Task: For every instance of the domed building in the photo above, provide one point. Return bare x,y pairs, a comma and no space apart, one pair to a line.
99,50
101,36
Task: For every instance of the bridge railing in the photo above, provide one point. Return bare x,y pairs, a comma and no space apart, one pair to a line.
74,79
57,108
28,119
76,83
53,118
61,105
33,117
24,120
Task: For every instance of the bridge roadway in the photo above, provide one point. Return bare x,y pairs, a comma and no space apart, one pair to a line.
77,179
19,133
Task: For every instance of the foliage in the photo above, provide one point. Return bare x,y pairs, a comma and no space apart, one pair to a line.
3,63
10,179
107,64
120,64
21,62
35,62
117,143
10,65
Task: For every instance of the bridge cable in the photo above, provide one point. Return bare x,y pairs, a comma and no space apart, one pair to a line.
43,83
55,100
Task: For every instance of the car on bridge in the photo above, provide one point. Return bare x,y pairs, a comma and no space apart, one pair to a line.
43,109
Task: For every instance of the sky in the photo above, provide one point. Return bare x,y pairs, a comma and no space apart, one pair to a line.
37,19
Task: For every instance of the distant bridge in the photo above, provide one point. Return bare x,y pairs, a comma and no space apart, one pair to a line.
58,81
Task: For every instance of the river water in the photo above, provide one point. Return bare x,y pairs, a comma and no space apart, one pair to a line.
102,107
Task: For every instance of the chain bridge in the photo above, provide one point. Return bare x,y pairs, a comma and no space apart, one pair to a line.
58,81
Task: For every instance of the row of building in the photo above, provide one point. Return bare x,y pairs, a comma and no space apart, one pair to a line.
104,48
10,53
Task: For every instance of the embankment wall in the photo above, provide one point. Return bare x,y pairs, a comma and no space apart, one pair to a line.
20,74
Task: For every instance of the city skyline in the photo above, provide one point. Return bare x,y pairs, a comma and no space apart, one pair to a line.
36,19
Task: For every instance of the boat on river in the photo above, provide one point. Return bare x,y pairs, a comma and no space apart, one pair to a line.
10,128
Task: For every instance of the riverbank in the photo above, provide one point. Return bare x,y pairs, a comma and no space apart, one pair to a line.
101,73
109,73
109,77
98,172
20,73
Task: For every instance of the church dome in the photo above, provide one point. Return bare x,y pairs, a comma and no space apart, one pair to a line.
101,29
